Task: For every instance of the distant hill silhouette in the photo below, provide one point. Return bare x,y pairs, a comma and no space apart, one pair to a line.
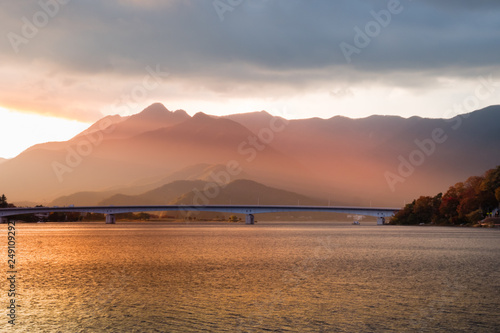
163,195
82,198
201,172
196,192
243,192
378,160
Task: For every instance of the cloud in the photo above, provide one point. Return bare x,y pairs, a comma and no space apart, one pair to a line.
90,49
94,36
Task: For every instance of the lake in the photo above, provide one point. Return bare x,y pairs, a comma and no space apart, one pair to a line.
272,276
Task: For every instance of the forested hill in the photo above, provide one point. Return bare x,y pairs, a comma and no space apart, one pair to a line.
464,203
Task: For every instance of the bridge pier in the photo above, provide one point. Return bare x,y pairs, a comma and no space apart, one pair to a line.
249,219
380,220
4,220
110,219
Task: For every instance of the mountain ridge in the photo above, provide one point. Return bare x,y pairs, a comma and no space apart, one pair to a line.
344,159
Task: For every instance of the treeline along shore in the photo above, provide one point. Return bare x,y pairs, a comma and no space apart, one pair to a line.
474,202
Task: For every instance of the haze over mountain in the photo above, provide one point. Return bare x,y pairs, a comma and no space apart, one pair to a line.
191,192
358,155
162,195
379,160
245,192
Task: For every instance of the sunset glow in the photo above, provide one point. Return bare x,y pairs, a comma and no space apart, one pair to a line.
33,129
250,165
83,60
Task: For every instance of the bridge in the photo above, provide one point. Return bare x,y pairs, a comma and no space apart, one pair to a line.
248,210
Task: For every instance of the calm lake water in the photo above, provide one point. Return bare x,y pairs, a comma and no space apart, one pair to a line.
278,277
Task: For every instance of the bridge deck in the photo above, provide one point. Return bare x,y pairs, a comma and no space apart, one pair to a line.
242,209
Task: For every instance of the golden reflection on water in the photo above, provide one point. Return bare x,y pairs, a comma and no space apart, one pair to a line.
296,277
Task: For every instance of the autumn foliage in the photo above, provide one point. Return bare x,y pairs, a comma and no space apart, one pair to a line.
464,203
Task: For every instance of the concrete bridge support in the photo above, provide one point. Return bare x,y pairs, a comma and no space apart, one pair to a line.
250,219
110,219
4,220
380,220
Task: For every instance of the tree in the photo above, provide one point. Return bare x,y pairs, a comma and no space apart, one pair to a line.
449,204
475,216
469,199
491,180
233,218
3,201
465,202
423,210
462,199
94,217
143,216
437,218
489,187
403,216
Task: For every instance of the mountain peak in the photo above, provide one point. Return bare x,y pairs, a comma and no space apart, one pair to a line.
153,117
181,113
158,111
153,111
156,114
202,116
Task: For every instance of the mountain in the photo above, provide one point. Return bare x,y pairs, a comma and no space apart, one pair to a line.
85,198
102,125
153,117
199,139
362,158
243,192
378,160
202,172
163,195
101,161
2,160
198,192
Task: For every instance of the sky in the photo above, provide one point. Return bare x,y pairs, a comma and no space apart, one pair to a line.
64,64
